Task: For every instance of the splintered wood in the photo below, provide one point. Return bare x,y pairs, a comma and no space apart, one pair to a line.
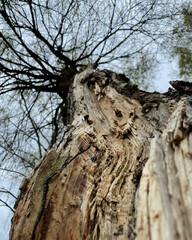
119,173
164,208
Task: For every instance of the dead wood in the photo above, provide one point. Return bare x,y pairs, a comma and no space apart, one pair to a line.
122,171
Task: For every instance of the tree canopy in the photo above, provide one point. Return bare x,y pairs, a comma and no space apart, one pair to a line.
39,38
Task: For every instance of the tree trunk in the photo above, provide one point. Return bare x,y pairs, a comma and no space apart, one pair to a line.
122,171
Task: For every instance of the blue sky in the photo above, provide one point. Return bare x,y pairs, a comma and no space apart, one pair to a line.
5,222
166,72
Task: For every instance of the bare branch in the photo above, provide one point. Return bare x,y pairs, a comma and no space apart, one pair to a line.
7,205
12,171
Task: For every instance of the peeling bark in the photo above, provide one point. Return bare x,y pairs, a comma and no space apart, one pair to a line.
122,170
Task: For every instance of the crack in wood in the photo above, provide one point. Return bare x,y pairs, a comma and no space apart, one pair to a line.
46,188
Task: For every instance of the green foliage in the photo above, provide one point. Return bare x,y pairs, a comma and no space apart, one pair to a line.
183,45
185,61
187,19
141,70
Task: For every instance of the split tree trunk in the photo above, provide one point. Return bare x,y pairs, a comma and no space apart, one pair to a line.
122,171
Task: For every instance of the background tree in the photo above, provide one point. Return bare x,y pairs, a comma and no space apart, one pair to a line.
182,44
141,70
44,43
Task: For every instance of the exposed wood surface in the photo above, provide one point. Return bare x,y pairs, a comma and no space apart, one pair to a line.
122,171
164,209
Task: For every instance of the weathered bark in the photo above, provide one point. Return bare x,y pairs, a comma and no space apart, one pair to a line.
122,171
